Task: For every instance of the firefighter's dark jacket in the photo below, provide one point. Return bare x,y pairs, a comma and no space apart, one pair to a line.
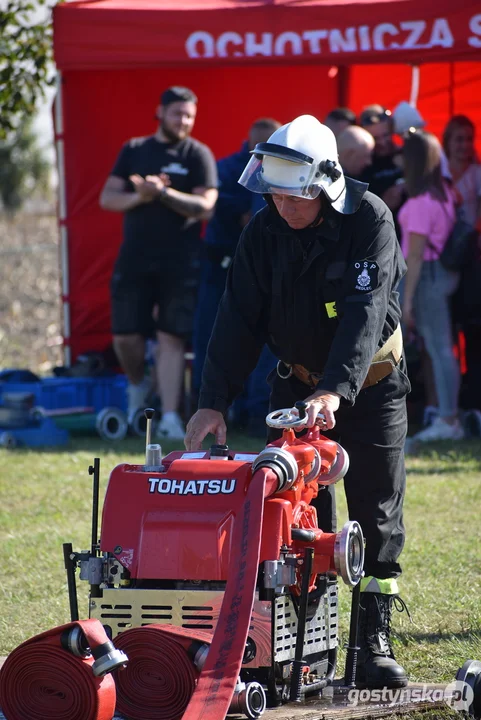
329,309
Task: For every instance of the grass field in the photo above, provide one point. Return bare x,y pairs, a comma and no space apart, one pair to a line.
45,500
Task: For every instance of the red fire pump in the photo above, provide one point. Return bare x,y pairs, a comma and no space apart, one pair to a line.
213,576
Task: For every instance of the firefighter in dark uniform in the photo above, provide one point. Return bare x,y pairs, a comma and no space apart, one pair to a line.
315,277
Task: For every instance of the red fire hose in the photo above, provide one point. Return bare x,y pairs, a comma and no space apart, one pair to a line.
162,681
42,680
162,673
213,695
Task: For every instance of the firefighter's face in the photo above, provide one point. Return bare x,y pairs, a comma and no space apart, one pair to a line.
298,212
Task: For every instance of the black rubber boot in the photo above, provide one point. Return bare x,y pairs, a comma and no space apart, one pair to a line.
376,664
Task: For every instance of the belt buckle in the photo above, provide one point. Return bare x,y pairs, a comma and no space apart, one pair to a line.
284,377
315,379
382,363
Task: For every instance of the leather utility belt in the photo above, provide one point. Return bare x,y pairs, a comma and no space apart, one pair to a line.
382,365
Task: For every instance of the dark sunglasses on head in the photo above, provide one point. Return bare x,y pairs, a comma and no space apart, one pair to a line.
374,118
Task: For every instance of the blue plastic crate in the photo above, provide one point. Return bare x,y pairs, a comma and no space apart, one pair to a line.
66,393
40,432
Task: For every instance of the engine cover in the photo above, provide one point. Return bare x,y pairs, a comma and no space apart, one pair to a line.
175,524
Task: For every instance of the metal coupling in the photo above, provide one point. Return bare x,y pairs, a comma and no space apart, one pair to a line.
74,640
349,553
249,699
281,462
107,659
201,656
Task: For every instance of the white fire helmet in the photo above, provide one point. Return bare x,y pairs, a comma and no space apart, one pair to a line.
299,159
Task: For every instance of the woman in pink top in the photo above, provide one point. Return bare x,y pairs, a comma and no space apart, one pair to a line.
426,220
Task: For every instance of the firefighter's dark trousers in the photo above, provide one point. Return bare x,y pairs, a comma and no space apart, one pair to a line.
373,433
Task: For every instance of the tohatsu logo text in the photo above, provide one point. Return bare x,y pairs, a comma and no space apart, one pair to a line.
165,486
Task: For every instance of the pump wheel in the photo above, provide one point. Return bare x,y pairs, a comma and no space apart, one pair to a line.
111,424
288,418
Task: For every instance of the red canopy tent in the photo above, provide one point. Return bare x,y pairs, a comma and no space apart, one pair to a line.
244,59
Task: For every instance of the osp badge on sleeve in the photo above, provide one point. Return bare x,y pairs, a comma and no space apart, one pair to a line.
365,274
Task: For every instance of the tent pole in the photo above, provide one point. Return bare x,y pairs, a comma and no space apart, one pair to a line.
451,89
343,85
62,220
415,83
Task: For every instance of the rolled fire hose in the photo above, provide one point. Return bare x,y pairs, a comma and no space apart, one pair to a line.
42,679
215,688
162,682
164,667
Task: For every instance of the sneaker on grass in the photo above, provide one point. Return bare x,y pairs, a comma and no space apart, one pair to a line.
429,415
440,430
171,427
138,397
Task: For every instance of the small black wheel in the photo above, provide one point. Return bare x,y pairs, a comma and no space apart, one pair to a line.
138,423
111,424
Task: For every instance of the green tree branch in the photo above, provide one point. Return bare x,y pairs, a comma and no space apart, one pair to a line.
26,61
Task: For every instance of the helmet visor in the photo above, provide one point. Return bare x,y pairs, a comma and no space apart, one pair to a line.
267,174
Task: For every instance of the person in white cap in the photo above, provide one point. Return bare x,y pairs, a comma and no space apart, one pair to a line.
405,117
315,276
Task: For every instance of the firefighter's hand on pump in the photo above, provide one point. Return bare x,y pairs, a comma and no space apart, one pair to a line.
202,423
318,409
322,403
289,419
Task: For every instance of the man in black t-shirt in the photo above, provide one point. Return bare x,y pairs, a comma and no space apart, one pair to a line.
165,185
